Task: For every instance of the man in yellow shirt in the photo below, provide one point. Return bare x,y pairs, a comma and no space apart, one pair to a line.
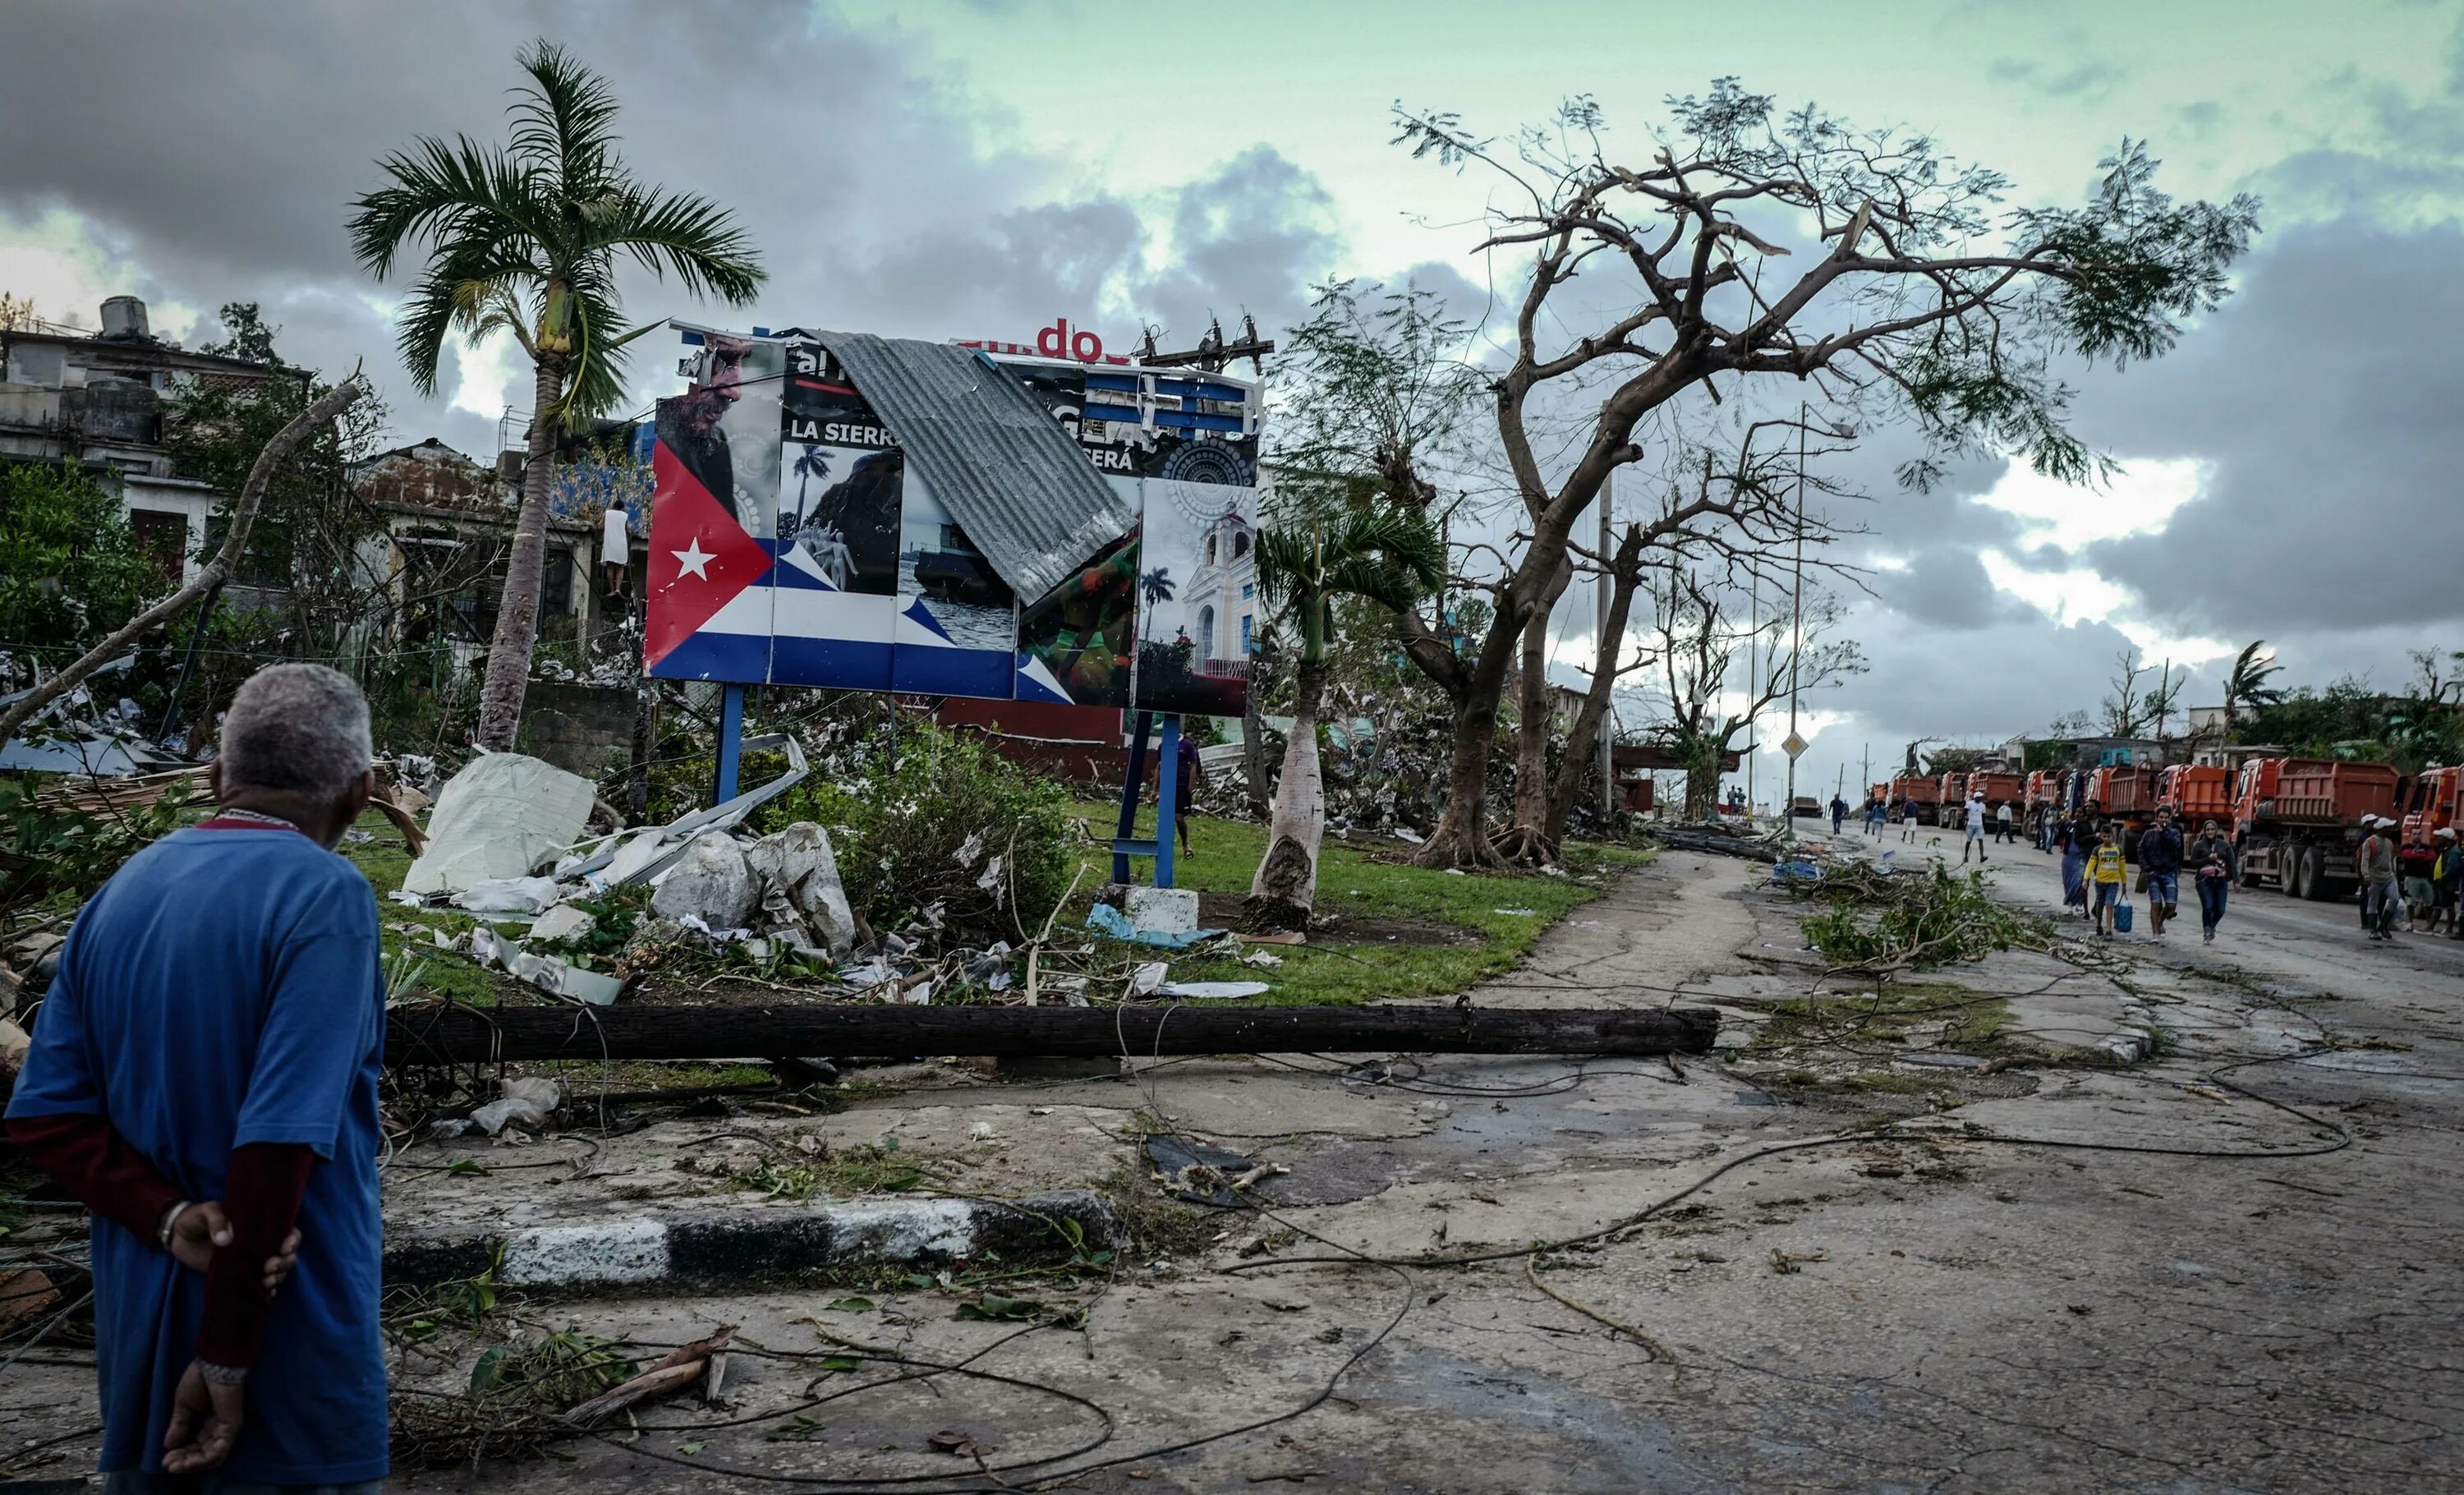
2106,874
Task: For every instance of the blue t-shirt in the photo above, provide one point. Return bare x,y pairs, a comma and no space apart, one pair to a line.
223,989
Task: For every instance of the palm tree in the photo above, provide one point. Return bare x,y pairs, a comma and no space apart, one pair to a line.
524,237
1157,586
1389,555
2246,683
814,463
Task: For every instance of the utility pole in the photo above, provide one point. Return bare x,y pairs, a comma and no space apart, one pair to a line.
1795,624
1753,691
1608,718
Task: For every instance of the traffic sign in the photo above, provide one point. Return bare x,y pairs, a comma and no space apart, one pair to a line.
1795,747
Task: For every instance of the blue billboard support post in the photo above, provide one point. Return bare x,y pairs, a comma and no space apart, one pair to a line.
1126,844
731,742
1167,797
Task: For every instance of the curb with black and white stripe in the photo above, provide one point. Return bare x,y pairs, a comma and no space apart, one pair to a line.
757,1242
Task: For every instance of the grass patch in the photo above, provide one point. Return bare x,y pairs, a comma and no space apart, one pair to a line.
1354,884
842,1173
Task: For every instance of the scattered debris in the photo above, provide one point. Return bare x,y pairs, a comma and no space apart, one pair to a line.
1104,919
525,1103
503,815
1161,910
507,896
680,1366
801,895
562,925
1197,1174
1213,991
711,881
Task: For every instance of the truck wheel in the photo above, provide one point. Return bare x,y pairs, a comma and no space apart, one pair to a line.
2314,880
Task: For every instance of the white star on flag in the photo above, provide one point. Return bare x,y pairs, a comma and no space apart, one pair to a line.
692,560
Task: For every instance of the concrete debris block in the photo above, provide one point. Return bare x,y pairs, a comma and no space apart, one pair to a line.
507,896
1161,910
527,1104
562,925
801,885
502,816
711,883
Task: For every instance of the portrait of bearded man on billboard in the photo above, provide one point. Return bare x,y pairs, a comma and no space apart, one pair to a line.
724,427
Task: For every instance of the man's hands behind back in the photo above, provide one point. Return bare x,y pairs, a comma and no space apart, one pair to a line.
202,1227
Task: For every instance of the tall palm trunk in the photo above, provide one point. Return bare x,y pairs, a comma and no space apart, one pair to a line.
1284,894
509,651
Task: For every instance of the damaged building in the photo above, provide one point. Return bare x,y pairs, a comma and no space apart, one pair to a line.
97,398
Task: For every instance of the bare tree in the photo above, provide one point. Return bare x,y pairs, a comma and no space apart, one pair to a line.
1697,645
2129,708
2162,696
1927,299
2432,681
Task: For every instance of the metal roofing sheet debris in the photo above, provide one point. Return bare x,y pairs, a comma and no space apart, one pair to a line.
1013,478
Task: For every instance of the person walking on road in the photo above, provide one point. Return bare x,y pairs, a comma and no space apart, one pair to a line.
2002,831
2215,865
2446,883
2160,857
1839,813
2106,874
2070,836
204,1077
1975,841
2377,861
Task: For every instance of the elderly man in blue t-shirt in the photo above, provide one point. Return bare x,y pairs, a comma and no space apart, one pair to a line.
204,1077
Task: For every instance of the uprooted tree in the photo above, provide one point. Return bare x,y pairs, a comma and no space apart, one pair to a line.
1921,296
524,238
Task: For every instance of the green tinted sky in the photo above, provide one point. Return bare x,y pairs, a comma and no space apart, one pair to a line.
1137,96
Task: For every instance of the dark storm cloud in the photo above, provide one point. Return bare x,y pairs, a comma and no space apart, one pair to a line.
1945,585
237,135
2324,397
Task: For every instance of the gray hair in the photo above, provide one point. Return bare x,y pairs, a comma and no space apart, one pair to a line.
296,729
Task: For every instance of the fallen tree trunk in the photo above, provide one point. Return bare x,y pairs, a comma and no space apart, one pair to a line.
420,1035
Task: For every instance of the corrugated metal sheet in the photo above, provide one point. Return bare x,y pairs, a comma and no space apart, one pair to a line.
1011,476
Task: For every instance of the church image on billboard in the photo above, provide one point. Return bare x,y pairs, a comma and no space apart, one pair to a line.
842,555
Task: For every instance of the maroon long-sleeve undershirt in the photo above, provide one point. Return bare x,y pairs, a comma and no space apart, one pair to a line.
261,1194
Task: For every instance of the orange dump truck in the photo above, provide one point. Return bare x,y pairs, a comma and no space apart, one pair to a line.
2196,793
2434,802
2298,820
1923,795
2000,789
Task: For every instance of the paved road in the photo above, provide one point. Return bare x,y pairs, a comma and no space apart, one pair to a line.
2254,917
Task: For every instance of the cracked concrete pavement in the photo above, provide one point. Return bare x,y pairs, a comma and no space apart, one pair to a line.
1917,1302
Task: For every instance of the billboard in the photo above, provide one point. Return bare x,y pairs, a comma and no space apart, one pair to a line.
795,541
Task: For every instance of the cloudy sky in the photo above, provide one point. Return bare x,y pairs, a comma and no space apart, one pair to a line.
977,169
